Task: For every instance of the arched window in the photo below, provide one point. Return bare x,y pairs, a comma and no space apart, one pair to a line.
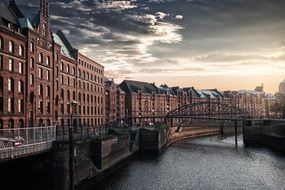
21,69
1,43
48,91
41,91
10,104
10,84
11,65
40,58
11,124
32,63
31,97
48,60
62,94
73,71
31,47
21,50
20,86
67,69
11,46
31,79
21,123
68,95
61,66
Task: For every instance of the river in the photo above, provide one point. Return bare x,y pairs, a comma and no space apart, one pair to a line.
205,163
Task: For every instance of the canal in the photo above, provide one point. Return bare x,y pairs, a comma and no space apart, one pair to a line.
206,163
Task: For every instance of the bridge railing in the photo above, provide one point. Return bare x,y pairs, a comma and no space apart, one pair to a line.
80,132
19,142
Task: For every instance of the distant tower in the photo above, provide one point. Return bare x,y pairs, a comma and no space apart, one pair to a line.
282,87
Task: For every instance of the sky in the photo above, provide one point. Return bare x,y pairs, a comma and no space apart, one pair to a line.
224,44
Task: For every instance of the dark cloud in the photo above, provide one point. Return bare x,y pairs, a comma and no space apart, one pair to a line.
128,36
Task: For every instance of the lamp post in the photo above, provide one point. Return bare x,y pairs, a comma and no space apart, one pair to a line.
153,116
71,149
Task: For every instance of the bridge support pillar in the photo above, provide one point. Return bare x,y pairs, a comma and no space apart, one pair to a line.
236,143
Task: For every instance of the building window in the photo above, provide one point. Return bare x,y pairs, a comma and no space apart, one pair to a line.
21,50
48,91
21,105
10,104
1,83
62,79
32,63
67,81
31,79
47,75
10,84
40,58
20,86
57,73
31,47
67,69
41,106
41,90
11,65
1,105
62,108
1,43
1,62
11,46
48,61
56,85
21,68
73,71
40,73
48,107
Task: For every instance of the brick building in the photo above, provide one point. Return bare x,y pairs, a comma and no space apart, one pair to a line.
41,73
115,104
250,100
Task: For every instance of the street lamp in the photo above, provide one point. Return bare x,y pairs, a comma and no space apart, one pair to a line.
71,148
153,116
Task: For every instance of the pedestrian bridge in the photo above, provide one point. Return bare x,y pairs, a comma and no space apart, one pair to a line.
21,142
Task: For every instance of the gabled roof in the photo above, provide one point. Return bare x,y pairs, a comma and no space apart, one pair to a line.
193,92
7,13
64,50
130,86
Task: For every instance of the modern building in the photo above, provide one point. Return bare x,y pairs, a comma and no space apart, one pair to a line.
282,87
41,74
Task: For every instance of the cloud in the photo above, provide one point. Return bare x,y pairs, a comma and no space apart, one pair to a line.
178,17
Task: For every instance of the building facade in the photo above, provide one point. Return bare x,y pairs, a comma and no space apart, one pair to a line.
41,74
282,87
115,104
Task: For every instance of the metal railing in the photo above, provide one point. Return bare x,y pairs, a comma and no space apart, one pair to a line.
20,142
80,132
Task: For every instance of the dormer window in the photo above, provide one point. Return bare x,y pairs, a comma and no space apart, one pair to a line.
10,25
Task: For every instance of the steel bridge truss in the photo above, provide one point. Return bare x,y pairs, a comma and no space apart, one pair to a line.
208,110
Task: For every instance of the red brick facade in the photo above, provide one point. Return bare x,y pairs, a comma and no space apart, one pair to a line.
115,104
39,78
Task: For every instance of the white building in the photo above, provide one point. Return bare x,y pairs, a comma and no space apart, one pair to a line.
282,87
